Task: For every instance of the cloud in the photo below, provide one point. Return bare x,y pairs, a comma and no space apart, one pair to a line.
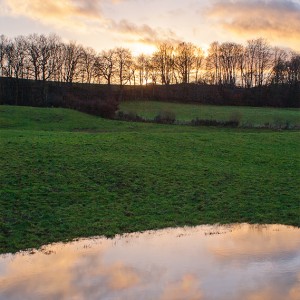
288,288
186,288
127,27
294,292
68,13
70,272
273,242
122,277
143,33
279,19
87,16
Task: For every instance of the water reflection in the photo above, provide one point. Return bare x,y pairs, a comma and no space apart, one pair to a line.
205,262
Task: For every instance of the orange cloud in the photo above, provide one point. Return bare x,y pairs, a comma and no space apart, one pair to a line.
86,15
277,19
122,277
69,272
245,242
294,292
186,289
143,33
68,13
274,291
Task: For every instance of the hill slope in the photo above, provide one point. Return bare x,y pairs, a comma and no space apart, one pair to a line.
114,177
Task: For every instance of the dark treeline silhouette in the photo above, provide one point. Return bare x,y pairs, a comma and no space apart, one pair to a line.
254,74
100,100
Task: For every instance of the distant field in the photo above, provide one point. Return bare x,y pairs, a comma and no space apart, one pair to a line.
255,116
64,174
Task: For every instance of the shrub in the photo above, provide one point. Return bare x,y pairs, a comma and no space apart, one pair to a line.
211,122
130,116
205,122
235,118
102,108
278,122
165,117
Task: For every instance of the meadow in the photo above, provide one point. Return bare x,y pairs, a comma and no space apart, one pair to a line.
248,116
65,174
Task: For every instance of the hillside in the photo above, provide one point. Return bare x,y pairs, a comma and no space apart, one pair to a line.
247,116
64,174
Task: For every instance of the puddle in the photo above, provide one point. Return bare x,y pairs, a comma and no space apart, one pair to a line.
205,262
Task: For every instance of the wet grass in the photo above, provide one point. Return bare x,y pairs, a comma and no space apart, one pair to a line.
84,176
249,116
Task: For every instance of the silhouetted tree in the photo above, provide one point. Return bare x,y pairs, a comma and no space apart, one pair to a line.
163,61
123,59
105,65
184,60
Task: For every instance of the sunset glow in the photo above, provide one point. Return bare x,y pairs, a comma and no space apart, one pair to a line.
139,25
139,48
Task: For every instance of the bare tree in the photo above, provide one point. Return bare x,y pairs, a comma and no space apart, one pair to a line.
141,62
229,62
264,59
123,64
250,63
34,55
163,61
51,61
71,61
280,58
87,65
199,58
184,60
3,49
20,63
257,62
213,63
105,66
293,69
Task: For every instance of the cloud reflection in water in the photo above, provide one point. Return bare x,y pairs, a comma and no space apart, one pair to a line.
205,262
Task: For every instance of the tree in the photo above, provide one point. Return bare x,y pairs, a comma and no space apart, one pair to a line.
87,64
3,49
257,61
163,61
293,69
213,63
72,55
19,59
199,58
184,60
279,66
229,62
123,63
105,66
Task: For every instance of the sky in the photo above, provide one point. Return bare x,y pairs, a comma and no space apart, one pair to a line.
140,24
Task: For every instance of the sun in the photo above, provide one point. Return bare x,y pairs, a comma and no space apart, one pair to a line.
141,48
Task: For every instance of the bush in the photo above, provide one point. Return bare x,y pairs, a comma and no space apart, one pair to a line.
165,117
278,123
205,122
235,118
211,122
130,116
102,108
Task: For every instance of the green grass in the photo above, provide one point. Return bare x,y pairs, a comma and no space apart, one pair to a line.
64,174
255,116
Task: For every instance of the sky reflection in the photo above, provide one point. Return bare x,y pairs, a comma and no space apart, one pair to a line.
205,262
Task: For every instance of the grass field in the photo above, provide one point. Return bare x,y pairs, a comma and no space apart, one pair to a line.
64,174
250,116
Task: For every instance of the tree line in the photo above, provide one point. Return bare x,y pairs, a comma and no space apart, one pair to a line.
47,58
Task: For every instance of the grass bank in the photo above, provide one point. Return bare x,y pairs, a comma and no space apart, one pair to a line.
248,116
64,174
